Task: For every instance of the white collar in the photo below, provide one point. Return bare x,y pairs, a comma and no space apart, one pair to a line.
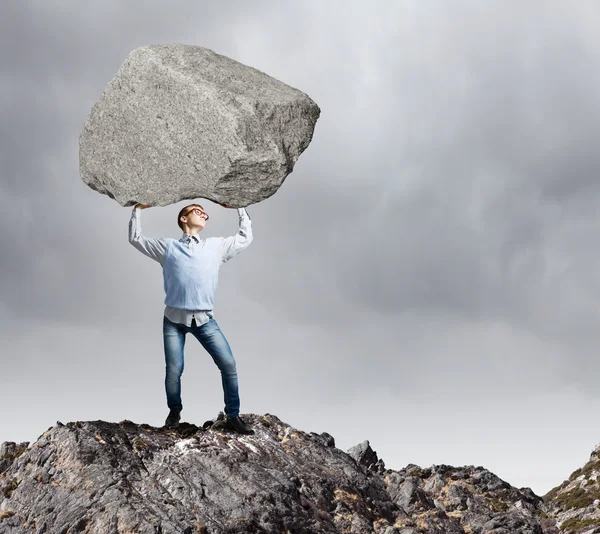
185,238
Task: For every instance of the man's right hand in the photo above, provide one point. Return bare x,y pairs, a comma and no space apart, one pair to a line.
142,206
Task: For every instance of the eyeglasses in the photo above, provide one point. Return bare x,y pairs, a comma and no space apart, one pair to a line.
198,212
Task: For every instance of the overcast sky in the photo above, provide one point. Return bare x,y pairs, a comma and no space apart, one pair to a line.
427,278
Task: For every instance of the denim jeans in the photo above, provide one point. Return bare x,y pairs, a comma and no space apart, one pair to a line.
213,340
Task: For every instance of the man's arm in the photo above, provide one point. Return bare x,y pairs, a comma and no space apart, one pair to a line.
153,248
231,246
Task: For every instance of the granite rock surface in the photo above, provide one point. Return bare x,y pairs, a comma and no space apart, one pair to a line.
183,122
118,478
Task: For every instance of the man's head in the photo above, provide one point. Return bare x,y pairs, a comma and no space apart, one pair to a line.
192,217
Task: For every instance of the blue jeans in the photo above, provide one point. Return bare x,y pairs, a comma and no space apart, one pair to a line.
213,340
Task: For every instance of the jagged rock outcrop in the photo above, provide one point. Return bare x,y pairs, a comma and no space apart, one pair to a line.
575,504
365,455
98,477
444,499
182,122
106,477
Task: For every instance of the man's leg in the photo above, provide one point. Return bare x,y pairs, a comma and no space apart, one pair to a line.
213,340
174,341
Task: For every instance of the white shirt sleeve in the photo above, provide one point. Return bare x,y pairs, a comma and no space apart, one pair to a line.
231,246
153,248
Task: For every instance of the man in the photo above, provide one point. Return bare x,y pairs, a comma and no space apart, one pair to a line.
190,273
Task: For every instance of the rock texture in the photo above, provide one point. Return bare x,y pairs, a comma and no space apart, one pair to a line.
448,500
98,477
575,504
182,122
365,455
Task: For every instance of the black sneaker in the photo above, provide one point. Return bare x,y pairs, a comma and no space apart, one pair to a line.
237,425
173,419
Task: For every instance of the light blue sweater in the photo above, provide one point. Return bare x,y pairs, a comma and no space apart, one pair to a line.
191,276
190,266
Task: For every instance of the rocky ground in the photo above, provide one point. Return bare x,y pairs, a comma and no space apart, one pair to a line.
575,504
99,477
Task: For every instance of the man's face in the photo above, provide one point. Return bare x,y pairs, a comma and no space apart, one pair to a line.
196,217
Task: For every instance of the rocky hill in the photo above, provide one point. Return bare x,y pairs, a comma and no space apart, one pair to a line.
99,477
576,502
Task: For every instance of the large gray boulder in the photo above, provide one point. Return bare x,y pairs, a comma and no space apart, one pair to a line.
182,122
